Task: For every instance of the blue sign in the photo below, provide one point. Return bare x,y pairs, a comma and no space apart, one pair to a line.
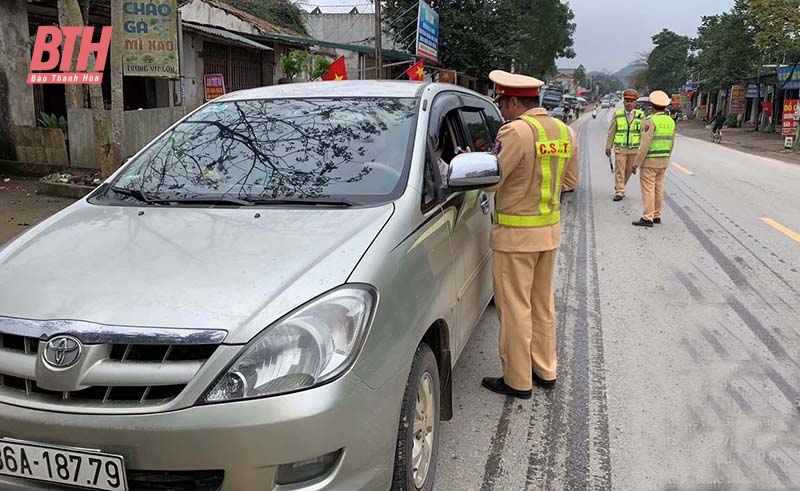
752,92
783,75
427,32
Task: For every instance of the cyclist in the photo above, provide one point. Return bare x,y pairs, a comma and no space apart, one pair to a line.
719,122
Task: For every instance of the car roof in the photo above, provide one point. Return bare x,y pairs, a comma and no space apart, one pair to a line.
350,88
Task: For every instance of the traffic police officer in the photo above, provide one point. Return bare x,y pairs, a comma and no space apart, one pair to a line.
623,134
658,136
533,151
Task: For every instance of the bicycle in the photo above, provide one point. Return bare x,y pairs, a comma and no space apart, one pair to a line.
716,135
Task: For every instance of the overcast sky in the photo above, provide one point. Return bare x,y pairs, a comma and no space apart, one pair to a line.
610,33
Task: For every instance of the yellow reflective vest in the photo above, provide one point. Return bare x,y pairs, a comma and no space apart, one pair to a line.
663,138
628,136
548,152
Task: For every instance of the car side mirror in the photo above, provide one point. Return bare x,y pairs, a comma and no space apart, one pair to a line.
473,170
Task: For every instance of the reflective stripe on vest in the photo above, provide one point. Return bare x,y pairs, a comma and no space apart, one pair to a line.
661,147
628,136
549,202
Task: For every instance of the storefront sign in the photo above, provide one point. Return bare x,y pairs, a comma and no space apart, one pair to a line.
738,100
789,123
788,77
150,31
427,32
215,85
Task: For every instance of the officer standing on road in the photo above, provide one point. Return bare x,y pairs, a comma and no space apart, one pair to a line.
624,134
533,151
658,137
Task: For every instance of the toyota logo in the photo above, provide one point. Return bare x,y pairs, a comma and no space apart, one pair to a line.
62,351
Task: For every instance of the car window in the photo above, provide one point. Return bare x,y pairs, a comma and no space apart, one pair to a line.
480,138
280,148
448,140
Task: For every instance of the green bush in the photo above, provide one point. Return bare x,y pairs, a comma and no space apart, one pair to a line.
293,63
53,121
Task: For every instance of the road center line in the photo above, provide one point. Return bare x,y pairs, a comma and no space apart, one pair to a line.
682,169
780,228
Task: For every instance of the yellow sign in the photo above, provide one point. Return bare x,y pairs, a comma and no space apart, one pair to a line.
150,33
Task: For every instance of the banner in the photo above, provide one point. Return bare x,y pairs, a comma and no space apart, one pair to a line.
150,39
789,123
215,85
784,73
427,32
738,99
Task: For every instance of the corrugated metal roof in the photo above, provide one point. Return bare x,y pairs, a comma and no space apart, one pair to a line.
226,35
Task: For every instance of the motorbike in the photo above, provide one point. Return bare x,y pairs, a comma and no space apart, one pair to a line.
594,114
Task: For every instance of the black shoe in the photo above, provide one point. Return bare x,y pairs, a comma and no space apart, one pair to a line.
545,384
657,220
619,197
498,386
643,223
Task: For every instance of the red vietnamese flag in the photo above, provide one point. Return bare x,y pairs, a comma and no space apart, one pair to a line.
336,70
417,71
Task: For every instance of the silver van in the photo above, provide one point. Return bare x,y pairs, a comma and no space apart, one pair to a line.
271,295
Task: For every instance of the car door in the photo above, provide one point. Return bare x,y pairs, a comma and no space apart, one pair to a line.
479,122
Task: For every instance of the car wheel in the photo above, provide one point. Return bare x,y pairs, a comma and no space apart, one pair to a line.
418,433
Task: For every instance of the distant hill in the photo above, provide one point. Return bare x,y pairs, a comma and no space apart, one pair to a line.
626,74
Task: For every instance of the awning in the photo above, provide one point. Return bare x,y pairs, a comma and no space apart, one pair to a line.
224,35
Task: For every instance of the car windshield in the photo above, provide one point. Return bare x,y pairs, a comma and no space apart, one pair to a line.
247,151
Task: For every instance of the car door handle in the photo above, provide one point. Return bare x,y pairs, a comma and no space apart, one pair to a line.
484,203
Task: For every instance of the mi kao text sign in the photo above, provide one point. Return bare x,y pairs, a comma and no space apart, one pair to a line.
427,32
150,38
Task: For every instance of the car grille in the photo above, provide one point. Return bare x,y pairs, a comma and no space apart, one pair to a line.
132,375
174,480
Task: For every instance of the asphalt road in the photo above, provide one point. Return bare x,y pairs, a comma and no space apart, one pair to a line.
679,346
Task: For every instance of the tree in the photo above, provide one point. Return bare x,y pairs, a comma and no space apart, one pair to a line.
775,24
108,125
668,62
726,49
534,33
605,83
282,13
580,76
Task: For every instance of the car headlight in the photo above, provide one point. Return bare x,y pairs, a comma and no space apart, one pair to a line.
311,346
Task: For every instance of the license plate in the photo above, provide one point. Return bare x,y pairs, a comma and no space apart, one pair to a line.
74,467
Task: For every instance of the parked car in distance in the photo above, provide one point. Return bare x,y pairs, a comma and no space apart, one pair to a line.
271,295
559,113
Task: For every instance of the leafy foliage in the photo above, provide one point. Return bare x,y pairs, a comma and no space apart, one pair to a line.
283,13
293,63
580,76
477,36
605,83
727,51
775,25
53,121
319,67
668,63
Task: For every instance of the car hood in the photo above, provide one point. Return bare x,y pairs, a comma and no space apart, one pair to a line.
237,269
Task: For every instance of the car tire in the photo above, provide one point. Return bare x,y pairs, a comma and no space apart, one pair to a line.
418,428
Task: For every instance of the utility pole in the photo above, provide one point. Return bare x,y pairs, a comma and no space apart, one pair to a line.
378,43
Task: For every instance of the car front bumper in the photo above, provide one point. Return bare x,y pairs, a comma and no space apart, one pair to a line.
246,440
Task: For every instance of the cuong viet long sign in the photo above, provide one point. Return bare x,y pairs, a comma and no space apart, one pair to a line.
150,38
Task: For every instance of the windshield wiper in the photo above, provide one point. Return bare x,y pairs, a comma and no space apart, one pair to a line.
344,202
134,193
211,200
200,199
